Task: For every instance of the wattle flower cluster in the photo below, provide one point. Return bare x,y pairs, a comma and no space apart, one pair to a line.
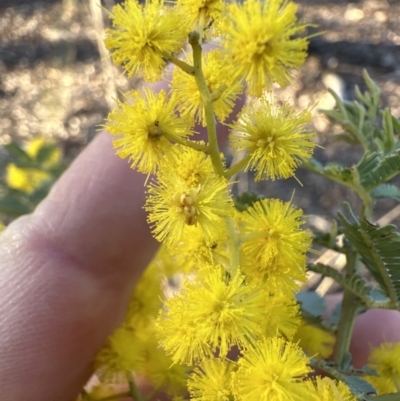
237,271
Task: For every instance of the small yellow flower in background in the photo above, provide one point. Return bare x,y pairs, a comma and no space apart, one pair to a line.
327,389
161,372
173,205
259,37
124,352
136,350
272,369
212,312
386,361
37,144
29,179
144,128
274,244
211,381
143,35
276,137
316,342
146,298
25,179
201,12
216,72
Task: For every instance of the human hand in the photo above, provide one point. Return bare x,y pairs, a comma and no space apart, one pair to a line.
67,273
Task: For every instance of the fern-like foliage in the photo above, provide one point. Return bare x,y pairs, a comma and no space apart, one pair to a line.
376,168
386,191
355,284
380,251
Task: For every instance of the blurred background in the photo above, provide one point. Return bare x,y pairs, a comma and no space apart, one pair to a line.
57,83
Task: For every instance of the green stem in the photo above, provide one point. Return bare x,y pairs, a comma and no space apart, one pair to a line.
213,148
237,168
133,389
218,92
350,307
186,142
189,69
214,151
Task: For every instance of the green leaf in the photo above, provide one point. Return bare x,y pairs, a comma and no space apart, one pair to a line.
386,191
245,200
379,250
396,124
14,207
368,163
355,283
388,131
311,303
45,154
376,168
358,386
338,173
379,300
18,153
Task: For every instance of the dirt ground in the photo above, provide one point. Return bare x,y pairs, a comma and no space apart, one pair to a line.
55,80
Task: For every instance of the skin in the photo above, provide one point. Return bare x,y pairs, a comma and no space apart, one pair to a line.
67,272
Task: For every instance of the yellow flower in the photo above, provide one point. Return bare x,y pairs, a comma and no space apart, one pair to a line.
173,206
201,13
193,251
146,298
282,315
277,277
211,381
216,73
145,127
212,312
36,145
274,243
327,389
25,179
161,372
275,137
29,179
258,36
272,369
190,165
386,361
143,35
315,341
123,353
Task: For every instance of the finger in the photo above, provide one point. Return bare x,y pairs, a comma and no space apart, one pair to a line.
67,273
371,329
